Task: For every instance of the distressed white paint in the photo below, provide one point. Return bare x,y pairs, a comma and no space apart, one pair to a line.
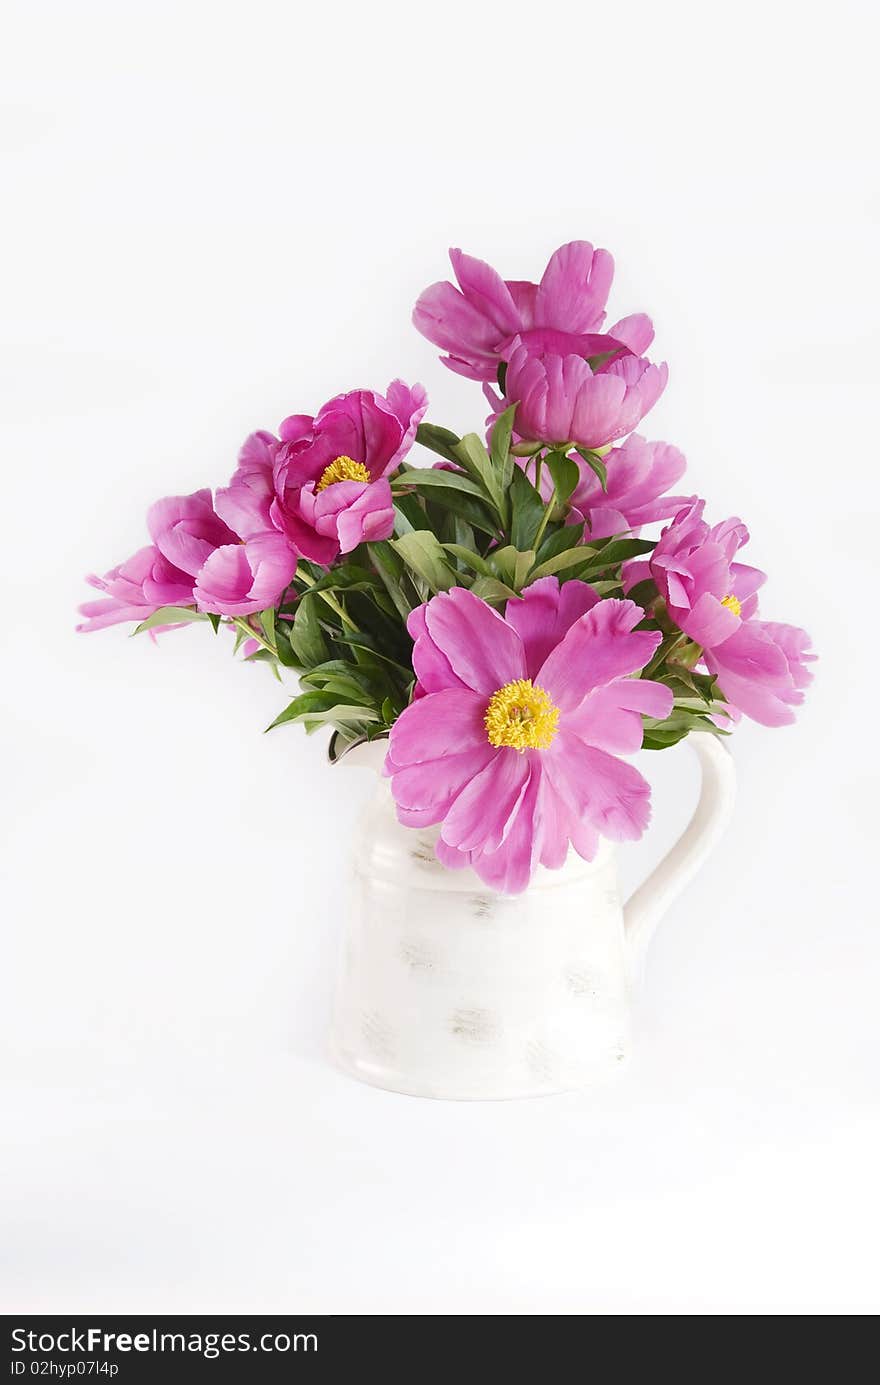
448,989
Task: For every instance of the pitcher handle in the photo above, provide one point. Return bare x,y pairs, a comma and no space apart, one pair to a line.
649,903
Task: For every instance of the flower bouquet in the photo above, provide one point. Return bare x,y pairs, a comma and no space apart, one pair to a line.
501,620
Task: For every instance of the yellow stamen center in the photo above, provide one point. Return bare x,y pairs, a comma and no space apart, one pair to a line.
342,469
733,604
521,716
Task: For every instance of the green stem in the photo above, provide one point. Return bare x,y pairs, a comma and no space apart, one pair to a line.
329,600
243,624
662,655
536,542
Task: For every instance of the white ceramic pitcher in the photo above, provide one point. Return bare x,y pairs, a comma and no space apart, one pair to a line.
448,989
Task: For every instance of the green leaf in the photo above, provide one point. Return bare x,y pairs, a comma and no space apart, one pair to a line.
680,718
241,637
457,530
500,445
470,559
490,589
215,621
511,565
302,706
471,454
170,615
502,562
565,475
345,577
267,620
423,553
392,571
474,512
349,681
618,551
566,537
595,463
527,511
430,478
659,740
286,655
458,494
524,564
502,377
366,642
409,515
570,557
439,440
320,707
306,636
344,689
333,668
643,593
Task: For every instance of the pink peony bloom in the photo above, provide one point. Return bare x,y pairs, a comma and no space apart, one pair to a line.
135,590
761,666
562,399
638,475
187,530
478,322
235,573
246,502
239,579
513,744
323,483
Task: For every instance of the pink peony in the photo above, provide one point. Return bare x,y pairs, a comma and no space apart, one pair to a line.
135,590
235,573
562,399
323,483
513,744
478,322
187,529
638,473
761,666
241,578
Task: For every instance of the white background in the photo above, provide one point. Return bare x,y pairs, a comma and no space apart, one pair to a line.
216,215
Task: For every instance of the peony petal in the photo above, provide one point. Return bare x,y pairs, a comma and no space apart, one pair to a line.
544,614
431,788
485,810
554,817
574,288
484,288
186,529
442,723
409,404
710,622
636,332
432,668
598,648
446,318
597,410
482,649
509,868
610,793
611,717
450,856
296,428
